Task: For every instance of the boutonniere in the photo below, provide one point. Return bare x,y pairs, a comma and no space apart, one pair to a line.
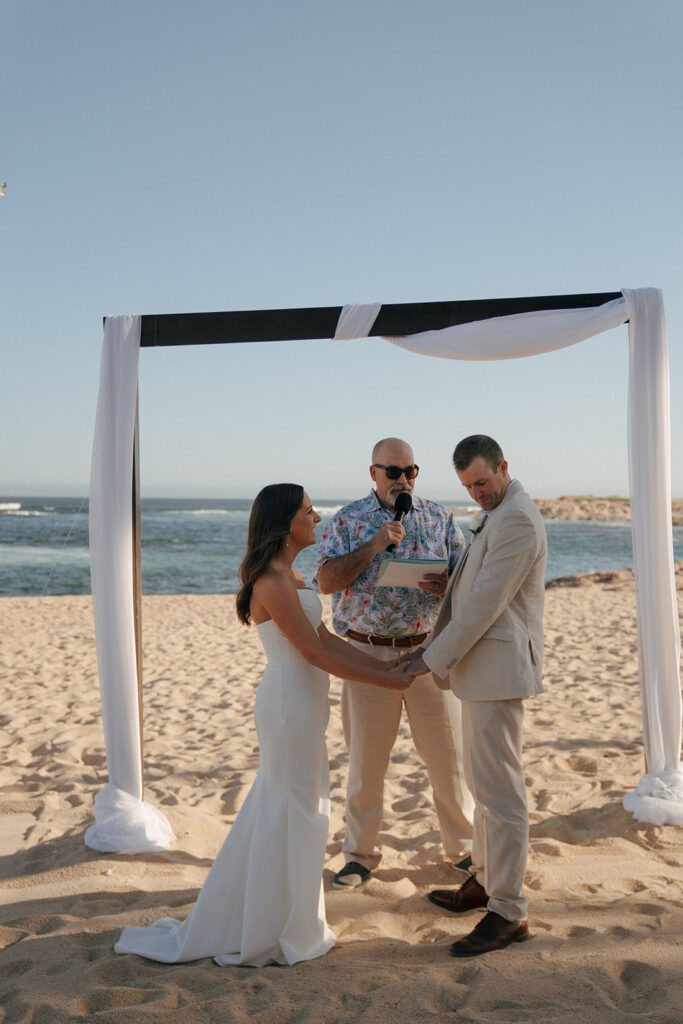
481,526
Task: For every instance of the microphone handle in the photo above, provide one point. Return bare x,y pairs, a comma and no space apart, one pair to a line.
398,518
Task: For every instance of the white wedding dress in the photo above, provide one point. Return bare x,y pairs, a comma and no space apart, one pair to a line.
263,901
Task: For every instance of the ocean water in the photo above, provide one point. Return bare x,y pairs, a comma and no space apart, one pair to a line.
196,546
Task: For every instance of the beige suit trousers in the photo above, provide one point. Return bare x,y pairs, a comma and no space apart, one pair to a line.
371,718
492,733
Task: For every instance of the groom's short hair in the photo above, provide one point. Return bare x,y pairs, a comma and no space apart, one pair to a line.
470,448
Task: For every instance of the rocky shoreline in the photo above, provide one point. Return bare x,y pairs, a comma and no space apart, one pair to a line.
587,506
611,579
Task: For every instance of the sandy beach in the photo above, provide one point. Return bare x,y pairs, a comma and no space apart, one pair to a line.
606,892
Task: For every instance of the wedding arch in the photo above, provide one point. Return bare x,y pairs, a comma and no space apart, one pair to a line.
482,330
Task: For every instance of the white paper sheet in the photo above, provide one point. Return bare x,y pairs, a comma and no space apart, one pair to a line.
407,572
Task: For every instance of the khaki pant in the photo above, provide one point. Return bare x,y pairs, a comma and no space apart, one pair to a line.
371,718
492,733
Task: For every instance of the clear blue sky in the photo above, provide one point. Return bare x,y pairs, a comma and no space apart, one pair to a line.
165,156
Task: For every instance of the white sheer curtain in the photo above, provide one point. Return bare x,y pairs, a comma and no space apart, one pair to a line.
124,823
658,797
522,334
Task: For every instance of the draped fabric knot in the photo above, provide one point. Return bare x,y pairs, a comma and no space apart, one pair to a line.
356,320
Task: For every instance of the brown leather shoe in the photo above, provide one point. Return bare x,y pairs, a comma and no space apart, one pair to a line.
492,932
469,896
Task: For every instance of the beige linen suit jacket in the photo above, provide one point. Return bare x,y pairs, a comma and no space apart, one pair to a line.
487,643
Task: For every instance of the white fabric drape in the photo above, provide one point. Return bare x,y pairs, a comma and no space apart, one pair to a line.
522,334
659,795
124,823
356,320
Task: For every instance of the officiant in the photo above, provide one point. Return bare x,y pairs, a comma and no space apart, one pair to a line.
385,621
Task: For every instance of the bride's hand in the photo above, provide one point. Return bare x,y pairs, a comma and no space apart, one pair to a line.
397,679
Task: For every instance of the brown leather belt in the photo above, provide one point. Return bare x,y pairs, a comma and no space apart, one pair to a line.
387,641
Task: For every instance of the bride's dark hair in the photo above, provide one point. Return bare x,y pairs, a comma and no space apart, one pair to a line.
271,517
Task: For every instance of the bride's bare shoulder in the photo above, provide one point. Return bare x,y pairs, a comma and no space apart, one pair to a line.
272,580
271,592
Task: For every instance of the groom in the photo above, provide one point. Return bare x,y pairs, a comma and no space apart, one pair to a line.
488,644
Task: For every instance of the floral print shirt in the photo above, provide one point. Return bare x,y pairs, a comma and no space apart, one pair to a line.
431,532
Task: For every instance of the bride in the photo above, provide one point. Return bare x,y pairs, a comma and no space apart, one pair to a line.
263,901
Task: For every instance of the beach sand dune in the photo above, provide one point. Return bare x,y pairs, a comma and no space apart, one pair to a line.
605,891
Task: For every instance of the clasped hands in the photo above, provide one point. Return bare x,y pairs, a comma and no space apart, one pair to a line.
411,664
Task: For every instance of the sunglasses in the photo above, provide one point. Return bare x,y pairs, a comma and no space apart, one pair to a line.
394,472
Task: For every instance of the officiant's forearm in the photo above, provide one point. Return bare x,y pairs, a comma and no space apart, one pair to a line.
339,573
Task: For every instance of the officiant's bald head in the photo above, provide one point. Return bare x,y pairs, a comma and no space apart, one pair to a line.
393,469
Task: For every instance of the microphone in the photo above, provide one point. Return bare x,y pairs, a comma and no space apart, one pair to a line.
403,504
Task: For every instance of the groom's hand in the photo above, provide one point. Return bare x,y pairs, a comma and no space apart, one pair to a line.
415,667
